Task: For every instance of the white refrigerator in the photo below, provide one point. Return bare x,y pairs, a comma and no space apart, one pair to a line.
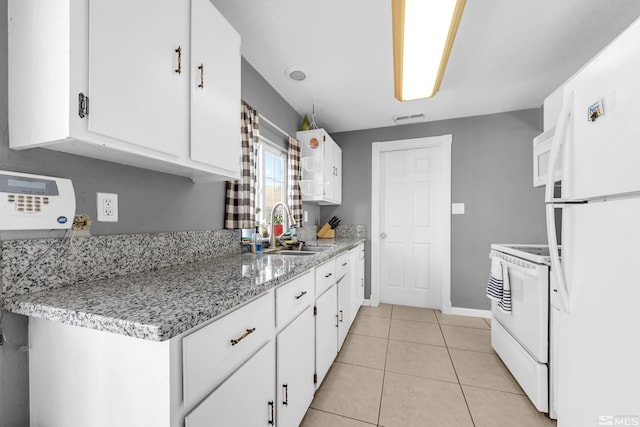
596,292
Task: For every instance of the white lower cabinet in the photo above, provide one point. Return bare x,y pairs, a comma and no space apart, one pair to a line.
326,332
242,369
211,353
246,398
295,354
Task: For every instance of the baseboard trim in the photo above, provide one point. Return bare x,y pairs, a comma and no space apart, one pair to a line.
469,312
366,303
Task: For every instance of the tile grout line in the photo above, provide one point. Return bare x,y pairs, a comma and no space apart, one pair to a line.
464,396
343,416
384,368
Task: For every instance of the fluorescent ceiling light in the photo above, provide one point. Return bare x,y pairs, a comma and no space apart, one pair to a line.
423,35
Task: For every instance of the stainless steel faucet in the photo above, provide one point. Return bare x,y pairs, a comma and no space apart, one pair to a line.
289,221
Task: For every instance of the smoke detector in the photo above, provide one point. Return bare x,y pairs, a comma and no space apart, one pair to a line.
409,118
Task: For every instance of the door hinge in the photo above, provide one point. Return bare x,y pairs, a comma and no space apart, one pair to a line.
315,378
83,105
315,310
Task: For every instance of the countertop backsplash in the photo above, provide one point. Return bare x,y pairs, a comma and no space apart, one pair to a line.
349,231
34,265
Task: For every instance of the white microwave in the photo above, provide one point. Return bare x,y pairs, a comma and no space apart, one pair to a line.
541,154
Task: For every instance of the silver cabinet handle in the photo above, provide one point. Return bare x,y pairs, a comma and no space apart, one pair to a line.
303,293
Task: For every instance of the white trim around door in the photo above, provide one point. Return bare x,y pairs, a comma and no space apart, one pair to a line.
443,141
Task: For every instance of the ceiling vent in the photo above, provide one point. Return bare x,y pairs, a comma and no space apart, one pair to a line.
295,73
409,118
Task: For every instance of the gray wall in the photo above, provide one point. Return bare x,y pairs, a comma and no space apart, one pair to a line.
148,202
492,174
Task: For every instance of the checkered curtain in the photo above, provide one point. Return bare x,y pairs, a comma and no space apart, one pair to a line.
240,200
295,175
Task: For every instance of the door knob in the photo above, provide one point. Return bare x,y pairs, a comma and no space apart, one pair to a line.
383,235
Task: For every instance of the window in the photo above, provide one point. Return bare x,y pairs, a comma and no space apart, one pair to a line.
271,185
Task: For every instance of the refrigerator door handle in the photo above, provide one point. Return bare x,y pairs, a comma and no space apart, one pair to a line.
558,140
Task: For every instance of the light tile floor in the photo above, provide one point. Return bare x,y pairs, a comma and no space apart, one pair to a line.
405,366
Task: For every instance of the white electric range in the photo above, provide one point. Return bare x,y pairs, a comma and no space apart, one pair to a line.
524,337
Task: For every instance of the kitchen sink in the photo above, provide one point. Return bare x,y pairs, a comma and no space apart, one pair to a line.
306,250
289,252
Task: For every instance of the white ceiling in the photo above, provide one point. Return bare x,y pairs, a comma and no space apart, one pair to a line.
508,54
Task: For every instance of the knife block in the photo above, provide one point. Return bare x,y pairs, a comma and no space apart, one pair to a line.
326,232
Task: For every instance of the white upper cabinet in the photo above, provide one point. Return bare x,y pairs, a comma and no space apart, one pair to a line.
119,81
321,168
215,85
135,95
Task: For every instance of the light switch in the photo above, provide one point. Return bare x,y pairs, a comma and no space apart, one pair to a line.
457,208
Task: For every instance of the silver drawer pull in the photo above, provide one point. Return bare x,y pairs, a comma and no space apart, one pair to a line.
249,331
328,275
344,265
303,293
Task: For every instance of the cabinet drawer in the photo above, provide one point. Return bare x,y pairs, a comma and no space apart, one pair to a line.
325,276
293,297
342,265
210,354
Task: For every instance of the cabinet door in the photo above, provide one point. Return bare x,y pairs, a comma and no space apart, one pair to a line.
246,398
215,89
361,275
326,332
135,93
344,308
329,167
337,179
354,257
295,370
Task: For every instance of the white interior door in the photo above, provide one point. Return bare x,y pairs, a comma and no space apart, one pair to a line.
411,227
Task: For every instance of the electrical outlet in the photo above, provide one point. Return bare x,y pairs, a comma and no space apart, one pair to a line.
107,207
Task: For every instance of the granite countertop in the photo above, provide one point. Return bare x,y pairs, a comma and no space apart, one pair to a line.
161,304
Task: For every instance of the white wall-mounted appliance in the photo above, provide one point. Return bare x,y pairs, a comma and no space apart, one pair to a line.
35,202
597,297
522,338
